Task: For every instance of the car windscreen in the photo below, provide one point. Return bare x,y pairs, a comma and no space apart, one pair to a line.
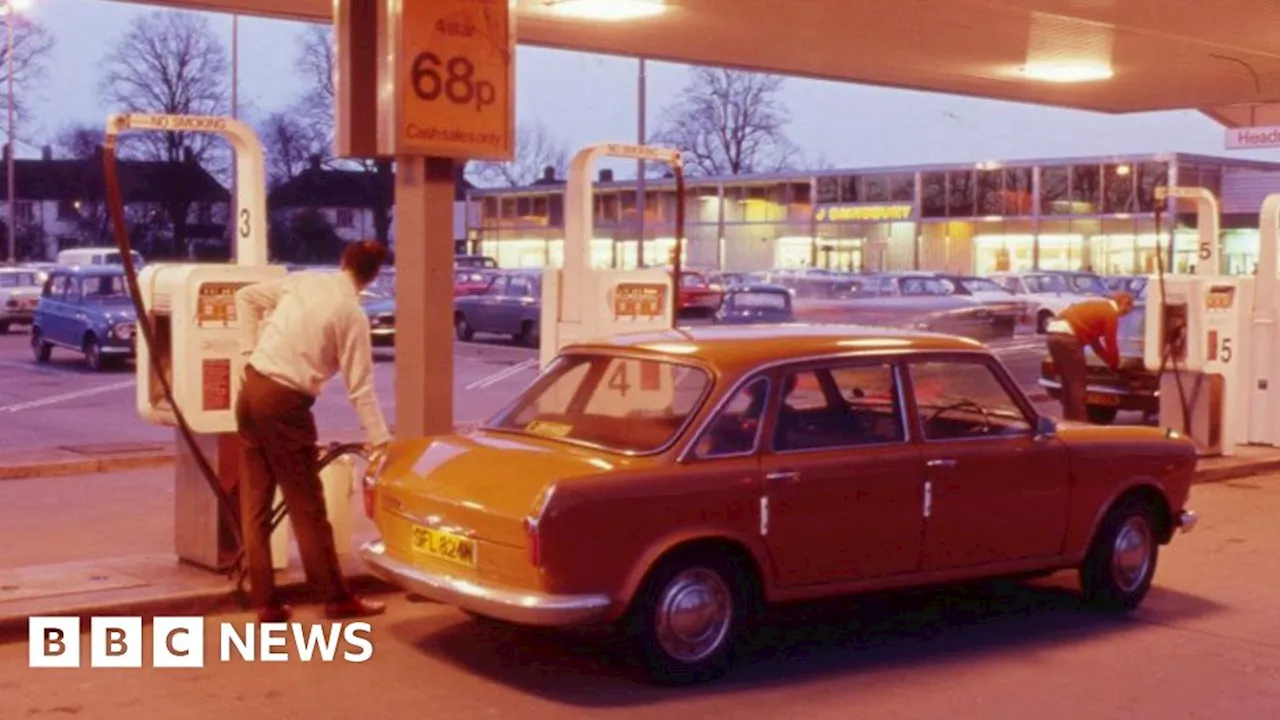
761,301
1045,284
689,280
975,285
623,404
1087,284
22,279
106,287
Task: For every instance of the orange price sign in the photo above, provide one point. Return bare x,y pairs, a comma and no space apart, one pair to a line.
456,77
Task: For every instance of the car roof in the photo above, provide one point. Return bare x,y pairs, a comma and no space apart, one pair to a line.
758,287
737,346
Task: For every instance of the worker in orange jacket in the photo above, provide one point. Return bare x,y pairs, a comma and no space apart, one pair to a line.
1093,323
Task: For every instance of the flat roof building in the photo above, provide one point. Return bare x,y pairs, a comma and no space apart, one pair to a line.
1094,213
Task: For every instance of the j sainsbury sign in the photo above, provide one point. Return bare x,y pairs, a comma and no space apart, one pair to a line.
1252,138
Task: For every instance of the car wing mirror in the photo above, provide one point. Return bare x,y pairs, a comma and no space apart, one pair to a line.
1046,428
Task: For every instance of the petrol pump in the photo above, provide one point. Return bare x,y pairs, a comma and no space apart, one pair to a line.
1264,406
1198,337
189,368
583,303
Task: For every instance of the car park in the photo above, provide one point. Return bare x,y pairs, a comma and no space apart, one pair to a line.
19,294
676,484
510,305
755,303
86,310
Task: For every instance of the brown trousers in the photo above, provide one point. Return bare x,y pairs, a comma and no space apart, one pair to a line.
279,434
1068,358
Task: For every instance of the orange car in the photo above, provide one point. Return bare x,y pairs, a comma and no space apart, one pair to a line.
678,482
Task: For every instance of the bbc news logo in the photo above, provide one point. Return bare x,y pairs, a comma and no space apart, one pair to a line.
179,642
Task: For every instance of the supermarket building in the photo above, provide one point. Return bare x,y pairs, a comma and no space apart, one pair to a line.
1068,214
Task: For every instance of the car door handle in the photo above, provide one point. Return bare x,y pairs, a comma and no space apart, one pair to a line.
942,464
782,477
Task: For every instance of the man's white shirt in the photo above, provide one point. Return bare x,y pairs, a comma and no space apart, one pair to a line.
304,329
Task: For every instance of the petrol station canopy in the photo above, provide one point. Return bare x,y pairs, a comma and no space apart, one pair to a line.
1113,56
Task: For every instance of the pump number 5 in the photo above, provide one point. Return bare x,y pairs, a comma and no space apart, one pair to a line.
1225,354
1206,252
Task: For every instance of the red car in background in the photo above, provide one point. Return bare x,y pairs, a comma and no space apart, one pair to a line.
700,294
471,281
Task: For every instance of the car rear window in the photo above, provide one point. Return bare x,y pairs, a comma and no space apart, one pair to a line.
761,301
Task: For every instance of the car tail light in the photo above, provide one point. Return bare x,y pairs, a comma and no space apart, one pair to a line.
533,542
369,493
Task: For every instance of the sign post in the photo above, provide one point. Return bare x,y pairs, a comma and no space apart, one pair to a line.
444,73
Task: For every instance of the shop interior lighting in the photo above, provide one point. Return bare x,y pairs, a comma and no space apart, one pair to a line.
607,10
1067,72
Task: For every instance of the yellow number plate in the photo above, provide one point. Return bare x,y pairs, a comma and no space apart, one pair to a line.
445,546
1102,399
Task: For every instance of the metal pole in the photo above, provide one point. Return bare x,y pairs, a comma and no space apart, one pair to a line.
13,216
235,113
640,167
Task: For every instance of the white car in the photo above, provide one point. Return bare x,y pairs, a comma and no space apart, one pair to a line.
19,294
1052,291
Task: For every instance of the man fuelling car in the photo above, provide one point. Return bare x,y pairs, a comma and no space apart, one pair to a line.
1093,323
312,328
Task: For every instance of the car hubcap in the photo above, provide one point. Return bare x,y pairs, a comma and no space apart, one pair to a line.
694,612
1131,554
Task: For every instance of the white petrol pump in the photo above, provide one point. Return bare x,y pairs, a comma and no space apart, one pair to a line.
1198,336
190,308
1264,405
582,303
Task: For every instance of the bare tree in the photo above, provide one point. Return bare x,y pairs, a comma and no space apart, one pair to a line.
290,143
315,62
32,48
173,63
729,122
79,141
535,151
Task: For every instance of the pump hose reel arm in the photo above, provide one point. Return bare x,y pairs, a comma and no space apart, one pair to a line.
115,208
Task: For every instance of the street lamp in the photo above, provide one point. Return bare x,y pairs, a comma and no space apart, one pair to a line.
12,7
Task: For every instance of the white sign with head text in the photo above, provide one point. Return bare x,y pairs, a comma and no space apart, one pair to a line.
1252,138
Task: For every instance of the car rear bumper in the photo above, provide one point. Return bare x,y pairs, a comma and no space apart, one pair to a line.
1187,521
514,606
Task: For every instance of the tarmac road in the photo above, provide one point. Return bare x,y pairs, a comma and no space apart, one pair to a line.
64,404
1205,645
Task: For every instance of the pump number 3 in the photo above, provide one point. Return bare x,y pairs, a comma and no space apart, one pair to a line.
243,226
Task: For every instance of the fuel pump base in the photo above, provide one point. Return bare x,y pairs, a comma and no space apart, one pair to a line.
1205,399
201,535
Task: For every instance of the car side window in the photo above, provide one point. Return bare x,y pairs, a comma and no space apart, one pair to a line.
959,399
519,287
736,428
497,288
846,405
73,290
56,287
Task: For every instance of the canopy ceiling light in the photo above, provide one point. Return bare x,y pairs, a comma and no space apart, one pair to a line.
608,10
1068,72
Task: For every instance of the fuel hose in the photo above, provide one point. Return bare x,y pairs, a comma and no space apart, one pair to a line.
1169,353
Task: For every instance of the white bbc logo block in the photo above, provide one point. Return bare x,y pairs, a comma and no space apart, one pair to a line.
177,642
53,642
115,642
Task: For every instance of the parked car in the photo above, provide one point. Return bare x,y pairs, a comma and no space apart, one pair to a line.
19,293
381,312
1134,388
1052,291
42,270
471,281
97,256
475,261
755,304
87,310
510,305
698,296
1135,285
677,482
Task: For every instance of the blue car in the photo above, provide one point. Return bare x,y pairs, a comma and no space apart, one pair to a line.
86,310
381,311
746,304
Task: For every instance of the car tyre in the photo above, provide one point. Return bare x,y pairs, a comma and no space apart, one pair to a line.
1121,563
528,335
41,349
1099,415
687,617
463,329
1042,322
92,354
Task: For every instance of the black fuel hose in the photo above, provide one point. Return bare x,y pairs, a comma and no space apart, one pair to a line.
1169,353
115,207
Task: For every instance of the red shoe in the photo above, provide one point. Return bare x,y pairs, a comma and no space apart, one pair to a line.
275,614
354,607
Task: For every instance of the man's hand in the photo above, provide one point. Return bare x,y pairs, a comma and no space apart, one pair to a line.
376,452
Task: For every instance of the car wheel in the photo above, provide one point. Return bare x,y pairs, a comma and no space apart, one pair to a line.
463,329
1121,564
528,336
1099,415
39,348
686,618
1042,321
92,354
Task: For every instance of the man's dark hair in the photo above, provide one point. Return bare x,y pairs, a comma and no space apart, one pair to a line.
364,259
